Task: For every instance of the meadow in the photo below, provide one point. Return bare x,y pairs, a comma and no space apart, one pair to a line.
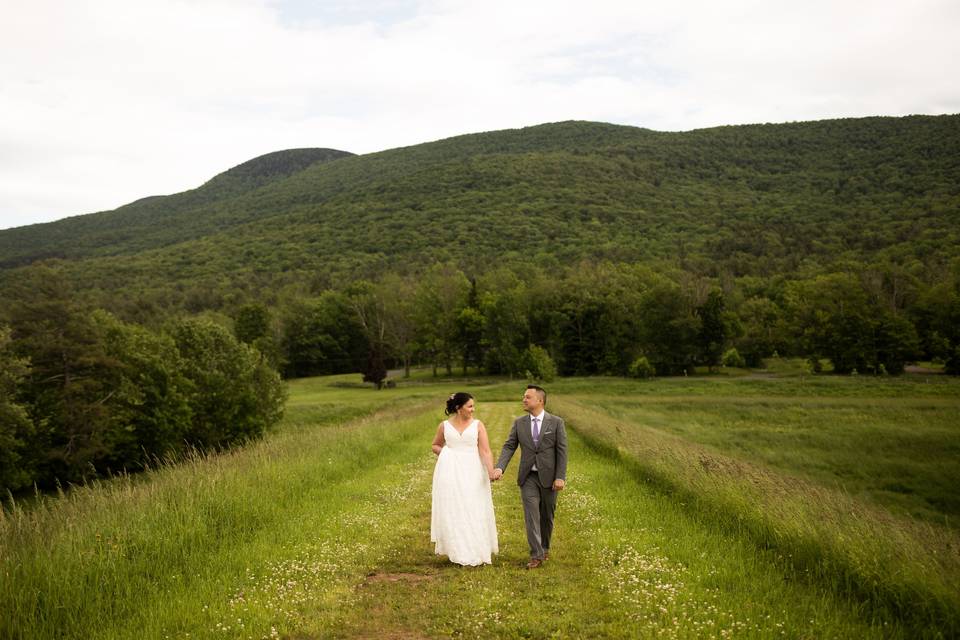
702,507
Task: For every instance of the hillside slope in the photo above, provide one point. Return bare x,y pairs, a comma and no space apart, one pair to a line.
156,221
745,200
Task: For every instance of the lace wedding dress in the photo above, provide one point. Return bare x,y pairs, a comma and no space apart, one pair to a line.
462,523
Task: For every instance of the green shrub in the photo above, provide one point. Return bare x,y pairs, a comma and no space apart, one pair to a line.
641,368
538,364
732,358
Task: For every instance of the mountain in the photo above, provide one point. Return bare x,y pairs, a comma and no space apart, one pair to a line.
156,220
749,201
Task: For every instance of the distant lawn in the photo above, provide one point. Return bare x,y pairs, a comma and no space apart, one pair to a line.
901,453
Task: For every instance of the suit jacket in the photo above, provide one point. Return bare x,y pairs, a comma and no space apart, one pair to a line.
550,456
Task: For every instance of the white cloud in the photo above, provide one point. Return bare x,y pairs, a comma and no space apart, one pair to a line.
106,101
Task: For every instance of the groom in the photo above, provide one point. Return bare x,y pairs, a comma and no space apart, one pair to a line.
543,469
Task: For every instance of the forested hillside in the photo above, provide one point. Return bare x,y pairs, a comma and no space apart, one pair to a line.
748,200
569,248
157,221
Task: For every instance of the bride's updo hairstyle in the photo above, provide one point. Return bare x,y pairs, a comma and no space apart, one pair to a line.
457,400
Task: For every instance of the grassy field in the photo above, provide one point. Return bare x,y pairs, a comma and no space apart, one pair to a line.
755,507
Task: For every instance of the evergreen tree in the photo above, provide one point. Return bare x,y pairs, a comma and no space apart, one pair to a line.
71,379
375,372
16,428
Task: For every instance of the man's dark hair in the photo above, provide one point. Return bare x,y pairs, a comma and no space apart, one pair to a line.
540,392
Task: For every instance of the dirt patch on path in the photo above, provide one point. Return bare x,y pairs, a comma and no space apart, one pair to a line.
375,578
377,624
390,634
379,634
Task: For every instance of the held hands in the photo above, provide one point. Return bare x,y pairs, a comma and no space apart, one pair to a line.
557,484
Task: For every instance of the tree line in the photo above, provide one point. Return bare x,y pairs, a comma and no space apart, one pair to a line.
610,319
83,391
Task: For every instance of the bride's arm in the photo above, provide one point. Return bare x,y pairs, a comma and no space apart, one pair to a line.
438,440
483,446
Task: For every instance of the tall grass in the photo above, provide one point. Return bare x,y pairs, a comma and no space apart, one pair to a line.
82,564
322,530
905,567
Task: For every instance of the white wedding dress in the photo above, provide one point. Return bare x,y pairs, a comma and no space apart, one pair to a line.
462,523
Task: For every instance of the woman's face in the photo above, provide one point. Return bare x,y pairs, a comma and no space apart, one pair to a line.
466,411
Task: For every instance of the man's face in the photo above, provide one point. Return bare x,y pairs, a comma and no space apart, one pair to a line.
530,400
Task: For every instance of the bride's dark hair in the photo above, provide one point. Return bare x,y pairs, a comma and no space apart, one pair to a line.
457,400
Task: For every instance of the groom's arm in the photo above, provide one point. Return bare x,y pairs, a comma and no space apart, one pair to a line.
509,447
560,479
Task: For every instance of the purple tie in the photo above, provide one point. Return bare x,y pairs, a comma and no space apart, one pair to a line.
536,432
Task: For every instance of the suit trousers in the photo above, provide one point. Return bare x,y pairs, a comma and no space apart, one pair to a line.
538,507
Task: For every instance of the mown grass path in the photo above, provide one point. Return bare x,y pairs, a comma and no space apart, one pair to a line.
626,562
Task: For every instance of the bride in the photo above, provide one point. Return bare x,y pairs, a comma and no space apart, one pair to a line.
462,523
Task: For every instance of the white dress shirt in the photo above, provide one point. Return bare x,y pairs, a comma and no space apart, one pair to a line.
539,423
539,420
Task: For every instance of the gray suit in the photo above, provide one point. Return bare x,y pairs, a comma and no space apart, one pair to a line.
536,487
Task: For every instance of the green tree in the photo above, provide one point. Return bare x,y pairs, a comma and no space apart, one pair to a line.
251,323
235,395
470,324
762,322
400,324
505,305
16,428
895,342
370,306
836,318
69,389
599,313
669,329
582,335
322,336
441,293
937,319
712,335
150,393
375,371
830,316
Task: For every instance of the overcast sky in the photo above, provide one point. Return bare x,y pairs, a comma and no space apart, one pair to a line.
106,101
